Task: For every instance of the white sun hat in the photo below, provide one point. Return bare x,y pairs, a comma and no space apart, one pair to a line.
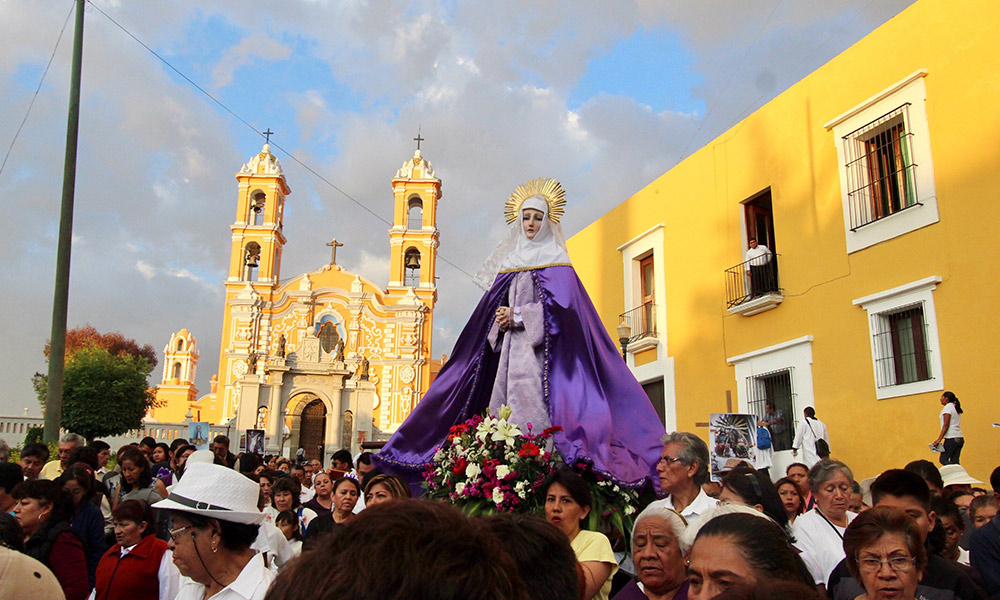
216,492
957,475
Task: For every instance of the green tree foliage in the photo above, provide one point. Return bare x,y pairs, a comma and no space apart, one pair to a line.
105,387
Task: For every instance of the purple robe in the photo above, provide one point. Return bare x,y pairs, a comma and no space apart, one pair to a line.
606,417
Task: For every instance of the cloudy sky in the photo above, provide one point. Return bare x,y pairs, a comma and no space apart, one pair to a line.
604,96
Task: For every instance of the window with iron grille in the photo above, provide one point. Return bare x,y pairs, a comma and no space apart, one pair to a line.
880,169
902,354
775,389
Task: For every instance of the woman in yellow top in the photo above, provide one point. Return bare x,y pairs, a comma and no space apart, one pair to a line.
567,503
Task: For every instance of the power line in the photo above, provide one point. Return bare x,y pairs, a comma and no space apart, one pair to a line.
37,89
255,130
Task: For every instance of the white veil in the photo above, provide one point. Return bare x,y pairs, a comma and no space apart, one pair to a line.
516,251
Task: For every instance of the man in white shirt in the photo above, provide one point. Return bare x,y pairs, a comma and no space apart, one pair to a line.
811,430
758,262
683,468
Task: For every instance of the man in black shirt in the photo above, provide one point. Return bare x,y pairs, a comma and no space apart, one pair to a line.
943,579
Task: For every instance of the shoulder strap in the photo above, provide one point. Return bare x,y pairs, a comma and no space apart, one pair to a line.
828,522
810,428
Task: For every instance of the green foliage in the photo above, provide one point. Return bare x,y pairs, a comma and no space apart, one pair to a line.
105,394
34,435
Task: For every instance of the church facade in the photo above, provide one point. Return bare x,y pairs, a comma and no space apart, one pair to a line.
323,359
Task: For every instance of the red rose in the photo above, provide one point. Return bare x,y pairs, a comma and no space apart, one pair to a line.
550,430
528,449
460,466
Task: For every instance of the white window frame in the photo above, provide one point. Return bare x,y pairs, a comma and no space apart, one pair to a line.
650,241
910,90
889,301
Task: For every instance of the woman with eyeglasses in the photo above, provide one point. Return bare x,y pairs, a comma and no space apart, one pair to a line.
885,553
139,566
215,520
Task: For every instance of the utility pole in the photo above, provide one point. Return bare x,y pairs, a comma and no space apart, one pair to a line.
60,302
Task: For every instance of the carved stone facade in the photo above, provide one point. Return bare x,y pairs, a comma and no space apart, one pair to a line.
287,343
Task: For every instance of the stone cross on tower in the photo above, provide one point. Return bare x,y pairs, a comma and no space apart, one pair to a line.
333,255
418,139
269,133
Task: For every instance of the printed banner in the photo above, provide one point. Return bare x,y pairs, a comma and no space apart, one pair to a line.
732,438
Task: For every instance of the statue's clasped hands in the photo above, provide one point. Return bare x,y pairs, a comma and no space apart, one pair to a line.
503,316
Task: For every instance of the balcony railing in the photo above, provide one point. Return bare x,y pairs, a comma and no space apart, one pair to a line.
752,279
642,320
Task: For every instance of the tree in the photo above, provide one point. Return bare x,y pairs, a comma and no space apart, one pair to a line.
105,387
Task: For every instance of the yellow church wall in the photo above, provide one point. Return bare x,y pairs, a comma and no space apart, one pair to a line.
784,146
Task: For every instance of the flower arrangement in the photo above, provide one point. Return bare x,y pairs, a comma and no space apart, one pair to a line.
489,465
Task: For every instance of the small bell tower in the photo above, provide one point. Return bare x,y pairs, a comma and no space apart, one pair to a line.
176,391
414,234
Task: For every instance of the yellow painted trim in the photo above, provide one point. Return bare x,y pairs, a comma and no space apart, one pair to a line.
645,357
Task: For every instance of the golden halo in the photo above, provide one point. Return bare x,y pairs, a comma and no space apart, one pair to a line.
549,189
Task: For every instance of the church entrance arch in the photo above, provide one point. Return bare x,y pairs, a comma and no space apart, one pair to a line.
312,429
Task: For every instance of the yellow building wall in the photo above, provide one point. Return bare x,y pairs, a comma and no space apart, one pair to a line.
785,146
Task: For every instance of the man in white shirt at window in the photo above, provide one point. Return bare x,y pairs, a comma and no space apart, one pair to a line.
758,262
683,468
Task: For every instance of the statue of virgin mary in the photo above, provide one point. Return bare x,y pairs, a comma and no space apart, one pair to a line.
536,344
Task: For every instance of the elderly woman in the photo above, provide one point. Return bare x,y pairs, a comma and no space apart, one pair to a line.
885,553
43,511
567,504
149,573
656,552
384,488
736,545
215,521
819,533
286,495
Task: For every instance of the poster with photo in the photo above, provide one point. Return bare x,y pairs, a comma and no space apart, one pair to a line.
199,434
255,441
732,438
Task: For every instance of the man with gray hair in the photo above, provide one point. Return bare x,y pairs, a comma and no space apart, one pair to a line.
683,468
68,442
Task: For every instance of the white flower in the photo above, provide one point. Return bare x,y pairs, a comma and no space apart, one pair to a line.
616,489
506,432
503,471
472,471
505,412
629,509
459,488
497,496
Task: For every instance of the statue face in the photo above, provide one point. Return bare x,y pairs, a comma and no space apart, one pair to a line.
531,221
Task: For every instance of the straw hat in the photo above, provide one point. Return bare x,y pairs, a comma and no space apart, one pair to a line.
957,475
216,492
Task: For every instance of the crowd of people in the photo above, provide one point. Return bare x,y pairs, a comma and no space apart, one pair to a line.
173,522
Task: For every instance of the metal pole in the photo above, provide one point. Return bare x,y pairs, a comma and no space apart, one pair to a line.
60,303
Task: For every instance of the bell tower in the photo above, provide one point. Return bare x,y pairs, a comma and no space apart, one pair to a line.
176,391
413,238
257,237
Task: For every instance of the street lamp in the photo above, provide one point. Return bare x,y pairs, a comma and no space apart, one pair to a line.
624,334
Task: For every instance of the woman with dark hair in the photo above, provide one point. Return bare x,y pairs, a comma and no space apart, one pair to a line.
215,521
322,502
129,569
285,496
567,504
885,553
791,498
754,489
288,523
180,459
346,491
384,488
43,511
137,482
161,459
87,521
735,545
951,429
